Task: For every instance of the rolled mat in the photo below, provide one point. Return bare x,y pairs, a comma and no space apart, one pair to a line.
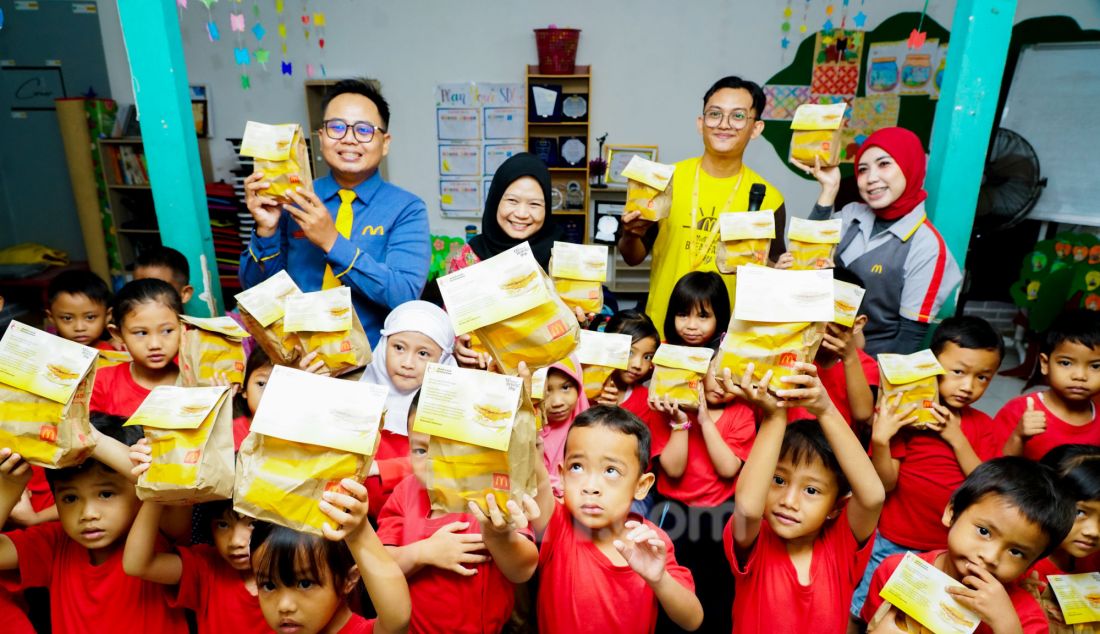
72,121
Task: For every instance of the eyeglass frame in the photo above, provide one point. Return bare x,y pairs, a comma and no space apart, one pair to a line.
728,116
351,128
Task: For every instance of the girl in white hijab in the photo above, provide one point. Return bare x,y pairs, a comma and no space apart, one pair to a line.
415,333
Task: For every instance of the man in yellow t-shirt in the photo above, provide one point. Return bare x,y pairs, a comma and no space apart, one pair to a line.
702,188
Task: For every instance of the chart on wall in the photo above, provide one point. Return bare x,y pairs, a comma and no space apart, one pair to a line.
479,125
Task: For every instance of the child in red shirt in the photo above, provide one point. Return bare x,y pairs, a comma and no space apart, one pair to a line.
700,454
79,558
305,581
147,321
563,399
216,582
461,567
1078,470
920,468
1008,514
847,373
796,550
256,373
602,569
626,388
78,307
1065,414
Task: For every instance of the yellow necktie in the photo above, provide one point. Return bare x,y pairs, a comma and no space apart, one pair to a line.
344,218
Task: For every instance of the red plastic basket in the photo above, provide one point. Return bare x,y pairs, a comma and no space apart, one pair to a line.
557,50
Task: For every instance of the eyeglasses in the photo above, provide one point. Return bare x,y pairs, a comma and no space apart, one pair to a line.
738,118
363,131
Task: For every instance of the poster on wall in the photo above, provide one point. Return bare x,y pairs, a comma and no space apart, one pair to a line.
837,55
478,126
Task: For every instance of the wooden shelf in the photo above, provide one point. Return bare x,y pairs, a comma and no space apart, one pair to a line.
120,186
132,140
559,124
568,169
140,231
579,72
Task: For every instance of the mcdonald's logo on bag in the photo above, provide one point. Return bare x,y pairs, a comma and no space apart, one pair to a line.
787,359
502,482
47,433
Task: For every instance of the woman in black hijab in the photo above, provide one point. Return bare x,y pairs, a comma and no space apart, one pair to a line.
516,210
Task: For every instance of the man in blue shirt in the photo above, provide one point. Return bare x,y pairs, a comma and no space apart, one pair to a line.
354,228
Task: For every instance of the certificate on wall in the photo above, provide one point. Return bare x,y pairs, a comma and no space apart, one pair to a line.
504,123
458,124
460,196
459,160
498,153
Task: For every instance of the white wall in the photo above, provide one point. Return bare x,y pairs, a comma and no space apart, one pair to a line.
652,61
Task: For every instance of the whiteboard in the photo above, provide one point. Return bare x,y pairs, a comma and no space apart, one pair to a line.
1053,104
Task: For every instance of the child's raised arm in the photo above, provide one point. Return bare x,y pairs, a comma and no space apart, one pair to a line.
868,494
382,577
140,558
646,554
887,423
113,453
726,463
515,555
14,476
674,456
544,496
759,470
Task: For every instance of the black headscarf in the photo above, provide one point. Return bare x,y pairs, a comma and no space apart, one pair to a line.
492,240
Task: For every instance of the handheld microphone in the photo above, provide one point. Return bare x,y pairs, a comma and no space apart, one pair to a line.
756,196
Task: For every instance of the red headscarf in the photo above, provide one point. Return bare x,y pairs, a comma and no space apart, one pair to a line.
906,150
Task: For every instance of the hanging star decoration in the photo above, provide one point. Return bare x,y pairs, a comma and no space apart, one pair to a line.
828,26
859,19
262,55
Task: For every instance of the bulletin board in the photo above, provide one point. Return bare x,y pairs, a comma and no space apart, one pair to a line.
807,79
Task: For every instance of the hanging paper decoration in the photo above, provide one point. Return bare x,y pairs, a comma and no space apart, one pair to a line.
212,31
278,6
259,31
860,18
785,26
805,13
917,36
255,10
241,56
236,22
288,68
208,3
309,70
181,4
262,55
318,19
245,82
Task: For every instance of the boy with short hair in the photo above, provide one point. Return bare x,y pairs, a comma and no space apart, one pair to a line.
603,569
1033,424
167,264
848,374
921,467
1008,514
79,559
797,551
78,306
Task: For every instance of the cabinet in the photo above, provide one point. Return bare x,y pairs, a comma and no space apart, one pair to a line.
130,196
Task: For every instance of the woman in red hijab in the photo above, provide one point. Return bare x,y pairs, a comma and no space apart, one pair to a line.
888,240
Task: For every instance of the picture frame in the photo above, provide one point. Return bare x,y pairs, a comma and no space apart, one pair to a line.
607,221
619,155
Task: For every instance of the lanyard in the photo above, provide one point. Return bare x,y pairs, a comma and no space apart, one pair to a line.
699,256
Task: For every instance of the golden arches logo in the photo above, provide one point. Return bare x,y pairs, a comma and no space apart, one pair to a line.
876,268
374,230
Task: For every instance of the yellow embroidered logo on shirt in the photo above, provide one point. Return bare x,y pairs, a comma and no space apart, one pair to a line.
876,268
374,230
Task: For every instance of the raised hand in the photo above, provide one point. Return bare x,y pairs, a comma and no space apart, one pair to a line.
264,209
643,550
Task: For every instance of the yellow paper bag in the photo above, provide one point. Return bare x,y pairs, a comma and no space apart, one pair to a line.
579,271
600,354
509,302
846,300
483,431
325,322
108,358
209,348
279,151
262,309
816,133
648,188
746,238
309,433
190,430
914,377
769,346
677,372
45,388
812,243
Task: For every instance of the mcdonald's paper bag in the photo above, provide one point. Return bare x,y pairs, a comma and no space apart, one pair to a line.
209,348
746,237
846,300
914,377
509,302
483,432
108,358
812,243
45,387
600,354
309,433
769,346
648,188
579,271
190,430
325,322
262,309
279,151
815,133
677,371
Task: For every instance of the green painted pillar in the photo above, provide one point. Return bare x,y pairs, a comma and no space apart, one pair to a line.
980,34
151,31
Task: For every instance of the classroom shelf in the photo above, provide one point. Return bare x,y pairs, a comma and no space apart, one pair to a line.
120,186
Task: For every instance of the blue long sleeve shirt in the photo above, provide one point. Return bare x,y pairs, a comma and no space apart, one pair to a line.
385,261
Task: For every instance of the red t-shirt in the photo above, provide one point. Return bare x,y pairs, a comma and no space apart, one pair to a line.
768,596
637,403
836,385
1058,432
41,495
241,426
104,345
88,598
12,613
393,463
357,625
444,601
582,592
1031,615
116,392
927,476
700,485
217,594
